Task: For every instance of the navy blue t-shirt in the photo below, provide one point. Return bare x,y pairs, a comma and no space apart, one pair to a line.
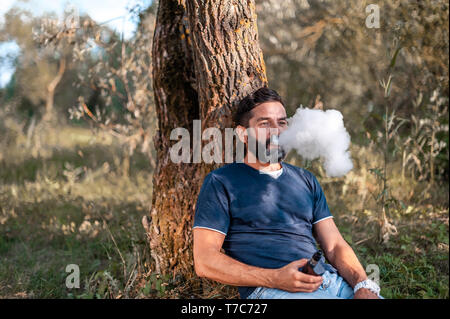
267,221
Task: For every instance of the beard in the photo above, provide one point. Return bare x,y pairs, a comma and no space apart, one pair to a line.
263,152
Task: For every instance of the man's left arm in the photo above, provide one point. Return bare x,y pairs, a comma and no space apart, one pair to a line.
341,256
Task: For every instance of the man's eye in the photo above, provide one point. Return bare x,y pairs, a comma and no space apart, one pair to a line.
264,123
282,123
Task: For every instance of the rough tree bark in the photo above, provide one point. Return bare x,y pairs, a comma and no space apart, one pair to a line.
206,56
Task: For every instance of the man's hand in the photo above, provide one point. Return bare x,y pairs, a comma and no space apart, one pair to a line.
364,293
289,278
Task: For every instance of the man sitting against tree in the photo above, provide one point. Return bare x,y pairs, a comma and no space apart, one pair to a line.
267,216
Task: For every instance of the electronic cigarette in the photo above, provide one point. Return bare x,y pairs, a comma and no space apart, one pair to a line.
313,267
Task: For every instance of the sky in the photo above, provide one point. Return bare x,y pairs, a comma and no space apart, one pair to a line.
114,11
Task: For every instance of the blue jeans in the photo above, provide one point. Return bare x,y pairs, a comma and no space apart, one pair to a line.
333,287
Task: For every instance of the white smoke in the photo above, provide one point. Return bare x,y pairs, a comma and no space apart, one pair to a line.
315,133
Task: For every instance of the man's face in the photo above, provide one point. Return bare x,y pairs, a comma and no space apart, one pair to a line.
267,119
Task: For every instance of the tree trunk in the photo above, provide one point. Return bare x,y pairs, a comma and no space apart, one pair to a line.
48,116
206,56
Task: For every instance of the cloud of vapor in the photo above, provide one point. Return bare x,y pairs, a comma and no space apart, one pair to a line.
315,133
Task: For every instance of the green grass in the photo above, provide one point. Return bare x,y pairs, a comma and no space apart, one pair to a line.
43,208
81,203
412,264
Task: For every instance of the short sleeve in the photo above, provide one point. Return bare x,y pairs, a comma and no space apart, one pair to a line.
320,210
212,208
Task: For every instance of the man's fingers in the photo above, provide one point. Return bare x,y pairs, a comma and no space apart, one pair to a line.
308,278
302,282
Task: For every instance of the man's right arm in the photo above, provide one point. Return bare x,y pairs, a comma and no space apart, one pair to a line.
211,263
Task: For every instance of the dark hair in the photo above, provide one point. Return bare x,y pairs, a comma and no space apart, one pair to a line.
243,111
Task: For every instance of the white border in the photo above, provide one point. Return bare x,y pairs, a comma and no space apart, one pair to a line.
210,229
322,219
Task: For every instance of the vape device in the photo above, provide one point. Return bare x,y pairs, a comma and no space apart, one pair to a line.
313,267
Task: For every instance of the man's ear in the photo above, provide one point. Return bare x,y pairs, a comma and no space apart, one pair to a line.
241,132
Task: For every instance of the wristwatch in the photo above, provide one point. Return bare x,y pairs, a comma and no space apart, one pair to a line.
368,284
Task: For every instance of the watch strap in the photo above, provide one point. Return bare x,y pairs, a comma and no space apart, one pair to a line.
368,284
